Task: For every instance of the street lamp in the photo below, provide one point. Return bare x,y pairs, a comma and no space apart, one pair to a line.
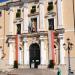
68,47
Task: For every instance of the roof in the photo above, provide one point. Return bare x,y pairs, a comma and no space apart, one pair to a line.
30,0
16,3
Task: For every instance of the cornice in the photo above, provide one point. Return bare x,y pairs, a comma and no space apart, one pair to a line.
16,3
11,4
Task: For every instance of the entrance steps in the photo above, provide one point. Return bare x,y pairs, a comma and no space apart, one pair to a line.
32,72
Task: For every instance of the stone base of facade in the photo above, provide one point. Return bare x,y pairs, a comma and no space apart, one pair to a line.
62,68
42,66
24,66
6,68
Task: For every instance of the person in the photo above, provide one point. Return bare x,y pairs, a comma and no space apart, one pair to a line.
59,71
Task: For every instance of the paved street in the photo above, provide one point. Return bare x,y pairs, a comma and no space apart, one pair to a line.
30,72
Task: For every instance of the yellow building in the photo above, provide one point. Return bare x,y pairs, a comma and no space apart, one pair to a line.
34,31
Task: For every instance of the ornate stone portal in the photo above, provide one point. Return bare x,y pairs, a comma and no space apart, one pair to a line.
33,42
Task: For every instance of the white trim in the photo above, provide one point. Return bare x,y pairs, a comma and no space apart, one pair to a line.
50,0
59,6
26,52
69,30
25,14
44,59
62,52
11,54
19,51
41,15
11,20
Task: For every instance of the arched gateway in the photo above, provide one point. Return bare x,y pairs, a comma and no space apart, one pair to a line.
34,51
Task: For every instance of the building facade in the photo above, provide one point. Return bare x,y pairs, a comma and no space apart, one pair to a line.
33,31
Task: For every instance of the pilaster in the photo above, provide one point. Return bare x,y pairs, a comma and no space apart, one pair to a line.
41,15
26,51
25,27
60,27
59,6
62,52
44,59
11,20
11,53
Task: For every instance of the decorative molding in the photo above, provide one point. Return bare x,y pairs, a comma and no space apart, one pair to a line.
35,40
29,1
16,3
60,31
51,13
41,1
36,13
10,38
25,5
36,34
18,20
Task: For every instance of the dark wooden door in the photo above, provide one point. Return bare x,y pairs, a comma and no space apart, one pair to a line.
34,54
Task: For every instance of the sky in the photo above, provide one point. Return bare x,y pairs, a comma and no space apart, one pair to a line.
3,0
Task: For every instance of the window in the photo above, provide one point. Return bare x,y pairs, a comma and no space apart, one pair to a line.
50,6
18,14
33,10
18,28
33,26
51,23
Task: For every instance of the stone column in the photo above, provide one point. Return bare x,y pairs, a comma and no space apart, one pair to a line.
41,15
11,20
49,41
43,51
19,56
62,52
25,27
59,6
26,52
11,54
19,51
60,25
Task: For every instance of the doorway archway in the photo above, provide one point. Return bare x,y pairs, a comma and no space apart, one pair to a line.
34,52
